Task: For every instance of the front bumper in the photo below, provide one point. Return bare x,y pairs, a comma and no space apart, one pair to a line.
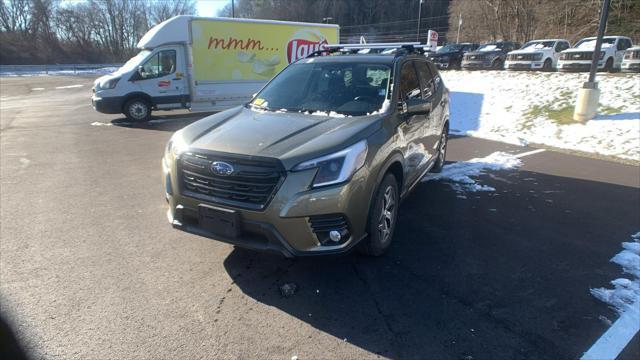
107,105
578,65
284,225
523,65
628,66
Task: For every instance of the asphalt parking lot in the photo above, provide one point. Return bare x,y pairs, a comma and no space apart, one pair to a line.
91,269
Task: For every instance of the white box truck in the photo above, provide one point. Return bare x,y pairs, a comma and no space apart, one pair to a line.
205,64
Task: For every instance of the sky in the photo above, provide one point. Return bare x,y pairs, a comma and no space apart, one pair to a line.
210,7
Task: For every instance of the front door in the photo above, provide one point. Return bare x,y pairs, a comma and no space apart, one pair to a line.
162,77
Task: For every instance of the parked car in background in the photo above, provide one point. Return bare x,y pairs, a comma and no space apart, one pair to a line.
489,56
631,60
450,55
578,58
537,55
317,162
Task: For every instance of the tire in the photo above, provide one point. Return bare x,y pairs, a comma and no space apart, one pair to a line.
442,150
137,110
608,66
382,224
547,66
497,65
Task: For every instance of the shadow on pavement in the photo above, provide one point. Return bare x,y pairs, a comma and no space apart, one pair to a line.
498,275
173,122
465,111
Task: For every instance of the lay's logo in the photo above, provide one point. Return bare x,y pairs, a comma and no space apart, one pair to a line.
303,43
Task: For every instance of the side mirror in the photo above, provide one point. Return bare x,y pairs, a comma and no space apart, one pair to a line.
403,108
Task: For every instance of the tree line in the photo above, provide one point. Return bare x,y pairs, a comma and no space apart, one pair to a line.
102,31
523,20
93,31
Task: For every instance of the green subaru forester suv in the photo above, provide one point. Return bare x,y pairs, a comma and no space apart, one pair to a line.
317,162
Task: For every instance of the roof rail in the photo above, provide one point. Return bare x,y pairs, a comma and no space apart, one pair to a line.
408,47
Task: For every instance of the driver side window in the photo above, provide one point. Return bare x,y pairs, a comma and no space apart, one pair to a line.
409,84
160,64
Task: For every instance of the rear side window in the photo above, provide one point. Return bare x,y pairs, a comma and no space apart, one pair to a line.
409,84
426,78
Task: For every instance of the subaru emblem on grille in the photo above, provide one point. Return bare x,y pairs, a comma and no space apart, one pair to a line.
221,168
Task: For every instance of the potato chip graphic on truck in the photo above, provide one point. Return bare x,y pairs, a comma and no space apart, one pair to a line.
211,63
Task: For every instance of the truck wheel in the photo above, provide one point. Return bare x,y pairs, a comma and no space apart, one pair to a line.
442,150
382,217
608,66
547,66
497,65
137,110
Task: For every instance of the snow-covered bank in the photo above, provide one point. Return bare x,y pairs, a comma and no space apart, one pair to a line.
524,107
459,174
35,70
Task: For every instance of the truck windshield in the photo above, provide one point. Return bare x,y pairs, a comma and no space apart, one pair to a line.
134,62
490,47
590,43
533,45
322,88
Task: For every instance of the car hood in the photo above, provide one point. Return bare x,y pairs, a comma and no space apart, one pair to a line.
522,52
105,78
288,136
579,50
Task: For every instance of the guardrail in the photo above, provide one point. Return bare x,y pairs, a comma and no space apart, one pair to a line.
46,69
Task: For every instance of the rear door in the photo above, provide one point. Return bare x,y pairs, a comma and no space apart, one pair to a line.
162,77
413,128
432,93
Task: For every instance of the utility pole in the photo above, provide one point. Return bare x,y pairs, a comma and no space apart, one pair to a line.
589,94
459,25
233,9
419,19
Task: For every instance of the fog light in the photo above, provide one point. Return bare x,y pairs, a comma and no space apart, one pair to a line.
335,236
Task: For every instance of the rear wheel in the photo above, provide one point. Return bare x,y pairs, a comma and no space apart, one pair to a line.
137,110
547,65
442,151
382,217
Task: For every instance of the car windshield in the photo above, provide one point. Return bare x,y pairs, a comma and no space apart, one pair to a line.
591,43
450,48
537,45
489,47
133,62
325,87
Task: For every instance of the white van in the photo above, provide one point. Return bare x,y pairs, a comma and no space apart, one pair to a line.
205,64
578,58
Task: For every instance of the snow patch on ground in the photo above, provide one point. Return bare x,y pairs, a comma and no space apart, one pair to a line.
69,87
99,71
522,107
625,294
459,174
98,123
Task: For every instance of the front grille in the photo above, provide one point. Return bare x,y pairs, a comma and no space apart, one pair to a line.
585,55
521,57
321,225
251,185
474,57
632,55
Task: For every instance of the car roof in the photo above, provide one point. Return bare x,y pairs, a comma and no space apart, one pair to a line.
387,59
606,36
549,40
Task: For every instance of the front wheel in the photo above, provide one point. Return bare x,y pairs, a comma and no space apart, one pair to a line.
137,110
608,67
382,217
497,65
547,66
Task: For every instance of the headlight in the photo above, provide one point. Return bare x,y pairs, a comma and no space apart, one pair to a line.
537,56
176,145
109,84
337,167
